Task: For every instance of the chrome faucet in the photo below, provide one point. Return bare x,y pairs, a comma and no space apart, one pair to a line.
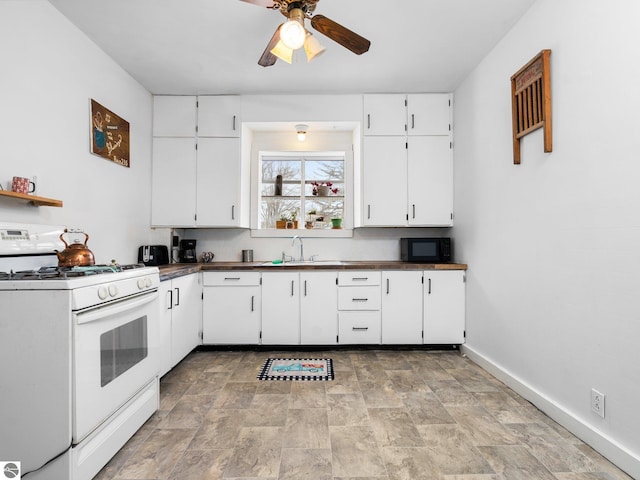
293,242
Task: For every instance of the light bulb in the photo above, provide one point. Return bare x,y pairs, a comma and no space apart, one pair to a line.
292,32
301,131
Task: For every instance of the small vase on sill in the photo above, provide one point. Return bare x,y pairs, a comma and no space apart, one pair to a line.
323,191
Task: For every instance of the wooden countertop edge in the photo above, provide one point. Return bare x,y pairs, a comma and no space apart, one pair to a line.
168,272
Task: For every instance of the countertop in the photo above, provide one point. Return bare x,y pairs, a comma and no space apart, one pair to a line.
167,272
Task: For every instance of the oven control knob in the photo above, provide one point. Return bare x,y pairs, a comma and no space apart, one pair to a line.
147,282
103,293
141,283
113,290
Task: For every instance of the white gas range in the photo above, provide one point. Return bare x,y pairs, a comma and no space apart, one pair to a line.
79,357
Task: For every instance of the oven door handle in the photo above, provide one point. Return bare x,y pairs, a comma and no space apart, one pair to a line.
101,312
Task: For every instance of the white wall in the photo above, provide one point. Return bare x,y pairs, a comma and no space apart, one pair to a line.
553,244
50,70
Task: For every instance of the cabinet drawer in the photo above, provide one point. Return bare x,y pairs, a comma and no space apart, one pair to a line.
359,298
359,327
231,279
359,278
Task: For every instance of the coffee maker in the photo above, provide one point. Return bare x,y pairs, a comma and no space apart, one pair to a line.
187,252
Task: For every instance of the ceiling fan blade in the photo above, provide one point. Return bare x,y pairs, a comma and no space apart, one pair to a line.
262,3
340,34
267,59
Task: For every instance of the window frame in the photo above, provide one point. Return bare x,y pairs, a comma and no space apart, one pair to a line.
347,219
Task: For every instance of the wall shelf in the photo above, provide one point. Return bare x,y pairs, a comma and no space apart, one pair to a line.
38,201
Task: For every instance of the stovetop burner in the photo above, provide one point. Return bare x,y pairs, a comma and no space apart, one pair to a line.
63,273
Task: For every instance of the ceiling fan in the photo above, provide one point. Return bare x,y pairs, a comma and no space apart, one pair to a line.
292,34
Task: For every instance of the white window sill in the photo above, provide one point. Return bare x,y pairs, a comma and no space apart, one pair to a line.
303,232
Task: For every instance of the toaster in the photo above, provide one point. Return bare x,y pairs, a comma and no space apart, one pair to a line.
152,255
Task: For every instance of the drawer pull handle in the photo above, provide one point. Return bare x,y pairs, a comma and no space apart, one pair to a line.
231,278
359,329
359,279
360,299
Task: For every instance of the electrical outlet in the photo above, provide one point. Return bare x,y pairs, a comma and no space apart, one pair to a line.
597,402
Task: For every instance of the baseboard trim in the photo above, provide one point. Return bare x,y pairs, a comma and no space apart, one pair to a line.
603,444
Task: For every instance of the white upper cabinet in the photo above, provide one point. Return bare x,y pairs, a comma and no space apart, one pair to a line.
207,187
219,176
385,114
385,181
219,116
428,114
173,182
430,181
174,116
407,163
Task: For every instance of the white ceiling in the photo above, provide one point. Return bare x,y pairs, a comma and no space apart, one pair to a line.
212,46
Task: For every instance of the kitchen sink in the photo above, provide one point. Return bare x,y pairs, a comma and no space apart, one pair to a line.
298,263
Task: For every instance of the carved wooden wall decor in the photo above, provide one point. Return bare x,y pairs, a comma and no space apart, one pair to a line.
531,101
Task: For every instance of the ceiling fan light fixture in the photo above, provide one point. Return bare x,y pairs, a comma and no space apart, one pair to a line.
292,32
283,52
301,131
312,47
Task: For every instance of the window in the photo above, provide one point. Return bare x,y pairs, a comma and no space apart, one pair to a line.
301,190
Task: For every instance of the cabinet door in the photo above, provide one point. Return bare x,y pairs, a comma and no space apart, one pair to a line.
318,308
430,194
186,323
173,182
280,308
166,306
385,114
384,182
402,307
219,116
428,114
444,307
218,180
174,116
231,315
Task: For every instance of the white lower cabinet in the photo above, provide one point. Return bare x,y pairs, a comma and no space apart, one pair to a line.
359,316
231,308
444,307
402,307
281,308
318,308
349,307
299,308
180,319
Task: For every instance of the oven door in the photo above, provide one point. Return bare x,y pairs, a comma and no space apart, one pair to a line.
115,355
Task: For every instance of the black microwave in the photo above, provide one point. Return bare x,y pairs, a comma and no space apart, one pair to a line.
426,250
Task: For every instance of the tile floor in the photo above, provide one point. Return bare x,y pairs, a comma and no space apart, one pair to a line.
388,415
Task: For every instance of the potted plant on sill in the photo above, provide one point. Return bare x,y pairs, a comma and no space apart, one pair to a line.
323,189
289,220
